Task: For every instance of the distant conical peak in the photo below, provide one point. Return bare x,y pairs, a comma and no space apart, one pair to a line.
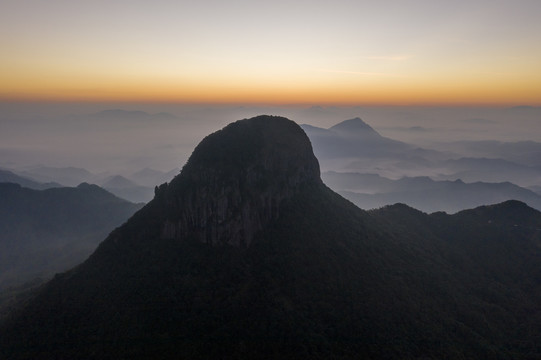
236,179
355,126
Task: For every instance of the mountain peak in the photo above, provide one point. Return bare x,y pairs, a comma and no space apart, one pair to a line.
355,126
235,180
117,181
508,213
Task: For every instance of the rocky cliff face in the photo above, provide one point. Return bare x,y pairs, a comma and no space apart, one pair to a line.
235,181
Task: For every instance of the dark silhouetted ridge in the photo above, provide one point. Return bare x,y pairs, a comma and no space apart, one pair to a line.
246,254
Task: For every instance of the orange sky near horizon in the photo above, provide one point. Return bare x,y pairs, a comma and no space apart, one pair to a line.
417,52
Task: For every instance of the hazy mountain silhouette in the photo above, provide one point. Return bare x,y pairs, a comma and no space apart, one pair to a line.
127,189
354,146
491,170
536,189
67,176
351,138
370,191
525,109
7,176
48,231
151,177
117,181
355,127
139,187
448,196
526,153
247,254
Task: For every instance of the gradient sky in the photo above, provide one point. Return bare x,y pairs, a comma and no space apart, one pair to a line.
327,52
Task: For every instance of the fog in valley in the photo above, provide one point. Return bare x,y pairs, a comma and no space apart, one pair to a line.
183,267
410,151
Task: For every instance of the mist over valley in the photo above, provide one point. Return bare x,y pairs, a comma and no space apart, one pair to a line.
247,252
372,156
130,150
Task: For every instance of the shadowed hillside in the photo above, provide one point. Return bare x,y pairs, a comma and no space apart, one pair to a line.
247,254
48,231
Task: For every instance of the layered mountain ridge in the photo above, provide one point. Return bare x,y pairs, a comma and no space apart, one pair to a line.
46,231
247,254
350,138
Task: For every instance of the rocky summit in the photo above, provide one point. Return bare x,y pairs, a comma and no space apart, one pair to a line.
235,181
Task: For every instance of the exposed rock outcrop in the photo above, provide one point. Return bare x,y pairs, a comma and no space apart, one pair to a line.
236,179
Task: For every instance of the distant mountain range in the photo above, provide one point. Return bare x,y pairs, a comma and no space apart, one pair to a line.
127,189
139,187
47,231
7,176
67,176
353,146
493,170
526,153
369,191
430,180
246,254
150,177
352,138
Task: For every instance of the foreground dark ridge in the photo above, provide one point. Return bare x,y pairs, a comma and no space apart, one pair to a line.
314,277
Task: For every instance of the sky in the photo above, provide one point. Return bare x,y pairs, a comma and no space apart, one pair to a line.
407,52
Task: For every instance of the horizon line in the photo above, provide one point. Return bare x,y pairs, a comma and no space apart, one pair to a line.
493,104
